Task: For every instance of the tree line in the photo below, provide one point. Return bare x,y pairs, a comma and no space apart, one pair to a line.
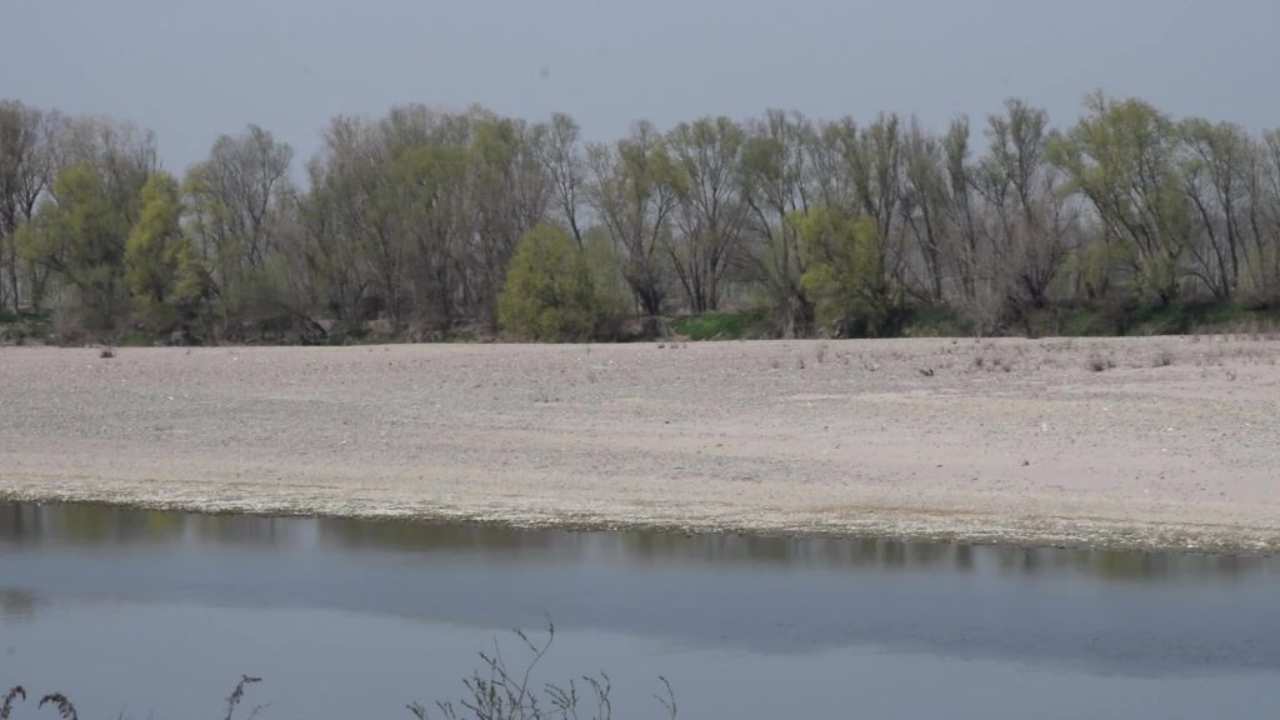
421,224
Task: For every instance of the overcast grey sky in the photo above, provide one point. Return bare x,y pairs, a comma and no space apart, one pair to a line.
194,69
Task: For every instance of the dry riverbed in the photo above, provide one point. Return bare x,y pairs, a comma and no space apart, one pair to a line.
1160,442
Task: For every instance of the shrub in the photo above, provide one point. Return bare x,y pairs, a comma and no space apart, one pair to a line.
847,277
549,294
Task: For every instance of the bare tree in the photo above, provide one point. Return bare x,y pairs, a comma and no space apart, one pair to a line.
710,216
775,179
1214,173
234,195
26,172
324,274
960,183
926,204
874,156
634,194
560,151
1264,211
509,194
1033,218
352,194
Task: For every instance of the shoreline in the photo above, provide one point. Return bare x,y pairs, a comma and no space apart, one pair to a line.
1170,447
1071,535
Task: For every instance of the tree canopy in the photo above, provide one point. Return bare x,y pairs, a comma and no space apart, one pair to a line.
423,223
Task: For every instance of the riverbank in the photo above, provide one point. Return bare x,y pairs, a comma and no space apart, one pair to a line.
1168,443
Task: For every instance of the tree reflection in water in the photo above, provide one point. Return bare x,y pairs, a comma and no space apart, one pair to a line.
82,525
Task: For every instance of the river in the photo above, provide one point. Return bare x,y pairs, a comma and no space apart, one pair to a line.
156,614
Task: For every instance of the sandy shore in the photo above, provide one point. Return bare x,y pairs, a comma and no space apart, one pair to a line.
1175,446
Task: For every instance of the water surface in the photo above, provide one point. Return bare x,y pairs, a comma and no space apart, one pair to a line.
151,612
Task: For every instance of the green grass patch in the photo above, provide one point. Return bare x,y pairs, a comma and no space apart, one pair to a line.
136,338
1144,320
1081,322
722,325
1183,318
24,327
935,321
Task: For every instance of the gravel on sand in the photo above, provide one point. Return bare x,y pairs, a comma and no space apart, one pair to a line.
1152,442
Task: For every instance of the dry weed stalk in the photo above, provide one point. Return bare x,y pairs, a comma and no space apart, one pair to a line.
66,710
238,694
497,692
6,707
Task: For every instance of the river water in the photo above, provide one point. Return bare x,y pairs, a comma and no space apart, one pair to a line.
155,614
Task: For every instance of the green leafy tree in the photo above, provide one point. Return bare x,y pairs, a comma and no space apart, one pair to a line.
847,278
81,237
1123,157
549,295
164,274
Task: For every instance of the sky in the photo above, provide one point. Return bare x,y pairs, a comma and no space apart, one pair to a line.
194,70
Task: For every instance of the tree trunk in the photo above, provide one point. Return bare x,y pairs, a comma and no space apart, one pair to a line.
15,292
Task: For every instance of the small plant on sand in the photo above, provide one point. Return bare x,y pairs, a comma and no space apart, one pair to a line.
992,364
107,353
1164,358
1098,362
